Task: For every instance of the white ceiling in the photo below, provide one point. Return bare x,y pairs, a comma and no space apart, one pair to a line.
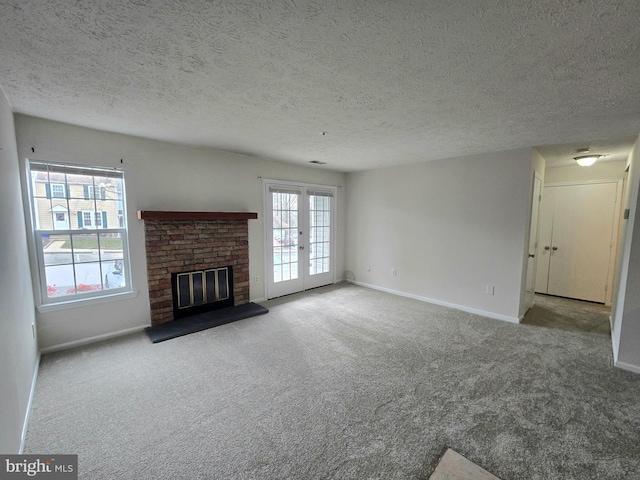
613,150
391,82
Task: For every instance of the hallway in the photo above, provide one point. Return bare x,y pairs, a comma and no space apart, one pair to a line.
568,314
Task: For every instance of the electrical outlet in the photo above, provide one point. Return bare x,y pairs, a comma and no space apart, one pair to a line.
256,280
394,272
489,290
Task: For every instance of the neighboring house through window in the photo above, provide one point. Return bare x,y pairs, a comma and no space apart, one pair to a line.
80,231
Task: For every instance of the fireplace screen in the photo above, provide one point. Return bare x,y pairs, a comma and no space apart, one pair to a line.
201,287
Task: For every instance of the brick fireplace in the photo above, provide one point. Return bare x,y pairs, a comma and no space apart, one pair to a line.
177,242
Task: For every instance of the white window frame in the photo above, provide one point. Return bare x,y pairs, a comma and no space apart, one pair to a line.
64,190
87,219
38,234
94,192
95,220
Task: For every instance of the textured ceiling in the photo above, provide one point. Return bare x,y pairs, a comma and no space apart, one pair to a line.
614,150
390,81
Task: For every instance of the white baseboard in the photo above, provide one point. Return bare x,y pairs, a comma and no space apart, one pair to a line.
258,300
455,306
27,414
97,338
627,366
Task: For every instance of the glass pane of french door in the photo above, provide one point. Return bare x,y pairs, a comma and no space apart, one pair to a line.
284,272
320,251
319,234
285,236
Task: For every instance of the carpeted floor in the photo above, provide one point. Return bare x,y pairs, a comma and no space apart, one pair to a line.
342,382
568,314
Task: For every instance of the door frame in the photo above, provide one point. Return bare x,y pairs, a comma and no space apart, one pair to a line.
529,296
266,203
615,236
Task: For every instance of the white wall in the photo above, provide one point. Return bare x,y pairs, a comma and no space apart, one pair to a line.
538,164
18,348
626,308
160,176
450,228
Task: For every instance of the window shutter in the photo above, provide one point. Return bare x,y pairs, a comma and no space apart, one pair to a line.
86,192
104,220
80,223
48,189
67,190
103,193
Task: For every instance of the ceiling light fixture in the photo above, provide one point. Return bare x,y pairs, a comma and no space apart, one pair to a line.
586,160
317,162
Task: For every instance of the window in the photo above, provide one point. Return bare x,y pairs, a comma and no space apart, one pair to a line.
83,254
57,190
92,219
86,219
95,192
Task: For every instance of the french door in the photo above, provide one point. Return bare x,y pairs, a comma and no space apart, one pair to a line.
300,247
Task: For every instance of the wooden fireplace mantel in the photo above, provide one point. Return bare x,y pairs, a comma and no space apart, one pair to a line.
165,215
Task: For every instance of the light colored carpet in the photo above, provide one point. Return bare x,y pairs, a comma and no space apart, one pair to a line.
342,382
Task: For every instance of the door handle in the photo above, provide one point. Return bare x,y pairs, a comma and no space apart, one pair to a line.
554,248
546,247
301,247
532,255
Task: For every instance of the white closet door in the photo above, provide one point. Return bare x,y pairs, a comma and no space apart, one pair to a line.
581,243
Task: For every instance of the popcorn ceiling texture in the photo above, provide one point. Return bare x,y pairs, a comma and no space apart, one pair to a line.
392,82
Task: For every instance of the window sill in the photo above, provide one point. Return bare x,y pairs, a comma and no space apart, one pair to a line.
53,307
